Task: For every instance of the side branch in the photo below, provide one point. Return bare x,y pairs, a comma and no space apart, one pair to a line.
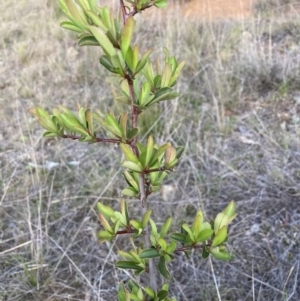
105,140
187,248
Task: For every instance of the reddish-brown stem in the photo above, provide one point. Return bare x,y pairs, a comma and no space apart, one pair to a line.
182,249
153,277
105,140
125,231
157,169
135,11
123,9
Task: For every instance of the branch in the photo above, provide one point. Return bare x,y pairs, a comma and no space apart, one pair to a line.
158,169
135,10
106,140
182,249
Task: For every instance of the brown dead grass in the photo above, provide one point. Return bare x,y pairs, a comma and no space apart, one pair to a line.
216,9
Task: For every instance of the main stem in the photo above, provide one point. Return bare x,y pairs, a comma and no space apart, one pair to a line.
152,272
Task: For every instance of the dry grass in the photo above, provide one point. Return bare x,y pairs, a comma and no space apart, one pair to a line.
238,117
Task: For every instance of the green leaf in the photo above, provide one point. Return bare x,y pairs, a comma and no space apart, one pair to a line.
105,236
165,228
205,253
153,227
160,3
179,152
166,76
221,255
50,134
196,226
122,296
220,237
70,26
149,150
146,218
163,268
162,294
163,244
149,292
136,224
105,223
126,255
128,153
127,265
105,16
131,192
132,166
111,120
117,223
179,237
131,133
122,218
84,4
164,94
88,41
126,35
123,124
188,230
135,58
220,221
171,247
149,253
229,211
96,20
176,74
81,116
89,121
106,63
141,64
76,12
157,154
204,235
130,180
124,210
135,256
103,40
105,210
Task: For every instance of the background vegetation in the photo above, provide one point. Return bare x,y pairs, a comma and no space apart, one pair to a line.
238,117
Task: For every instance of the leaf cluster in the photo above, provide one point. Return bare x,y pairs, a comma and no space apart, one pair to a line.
136,293
142,84
209,237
